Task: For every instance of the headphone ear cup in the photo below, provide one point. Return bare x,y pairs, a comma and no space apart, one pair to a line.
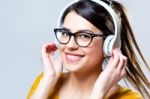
107,46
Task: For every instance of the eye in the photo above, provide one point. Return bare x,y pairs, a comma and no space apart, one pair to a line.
65,33
84,36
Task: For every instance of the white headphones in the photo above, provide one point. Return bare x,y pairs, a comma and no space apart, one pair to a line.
111,41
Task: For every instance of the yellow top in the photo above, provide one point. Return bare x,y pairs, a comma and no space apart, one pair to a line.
124,93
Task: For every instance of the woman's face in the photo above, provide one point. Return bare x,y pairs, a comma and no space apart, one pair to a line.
77,58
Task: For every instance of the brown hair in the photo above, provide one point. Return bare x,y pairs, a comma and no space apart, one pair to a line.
129,48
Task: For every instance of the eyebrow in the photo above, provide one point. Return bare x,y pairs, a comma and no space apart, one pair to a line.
65,28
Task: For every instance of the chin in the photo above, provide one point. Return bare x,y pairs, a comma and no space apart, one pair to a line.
73,67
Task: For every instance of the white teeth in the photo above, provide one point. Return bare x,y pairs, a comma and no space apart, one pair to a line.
73,57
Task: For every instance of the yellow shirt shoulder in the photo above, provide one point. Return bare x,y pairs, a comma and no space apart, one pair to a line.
126,93
34,85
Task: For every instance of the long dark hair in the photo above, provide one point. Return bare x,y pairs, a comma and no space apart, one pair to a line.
100,18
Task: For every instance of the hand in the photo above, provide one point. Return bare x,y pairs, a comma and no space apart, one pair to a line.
113,73
52,71
52,67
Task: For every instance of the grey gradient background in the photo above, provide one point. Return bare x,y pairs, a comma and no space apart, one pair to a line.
25,25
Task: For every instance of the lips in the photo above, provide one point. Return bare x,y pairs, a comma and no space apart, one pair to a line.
73,57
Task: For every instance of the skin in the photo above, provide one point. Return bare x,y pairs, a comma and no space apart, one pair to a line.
85,79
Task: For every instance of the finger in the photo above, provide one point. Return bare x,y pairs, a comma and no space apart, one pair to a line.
120,71
47,61
58,66
122,63
123,71
58,63
48,68
115,59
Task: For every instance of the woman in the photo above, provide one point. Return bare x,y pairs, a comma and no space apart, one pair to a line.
85,26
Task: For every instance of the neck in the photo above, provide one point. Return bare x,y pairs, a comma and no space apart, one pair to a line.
84,81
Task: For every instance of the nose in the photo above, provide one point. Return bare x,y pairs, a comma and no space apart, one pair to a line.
72,44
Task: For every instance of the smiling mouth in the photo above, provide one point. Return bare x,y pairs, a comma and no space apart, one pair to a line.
73,57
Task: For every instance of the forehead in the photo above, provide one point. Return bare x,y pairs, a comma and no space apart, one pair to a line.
75,22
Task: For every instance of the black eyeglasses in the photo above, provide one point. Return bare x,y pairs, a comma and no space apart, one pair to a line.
83,38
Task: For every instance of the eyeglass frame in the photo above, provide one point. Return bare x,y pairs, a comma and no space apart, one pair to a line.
92,34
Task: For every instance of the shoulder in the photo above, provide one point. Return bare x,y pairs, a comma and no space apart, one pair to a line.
34,85
126,93
37,81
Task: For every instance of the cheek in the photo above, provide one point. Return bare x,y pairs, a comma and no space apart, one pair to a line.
97,49
95,52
